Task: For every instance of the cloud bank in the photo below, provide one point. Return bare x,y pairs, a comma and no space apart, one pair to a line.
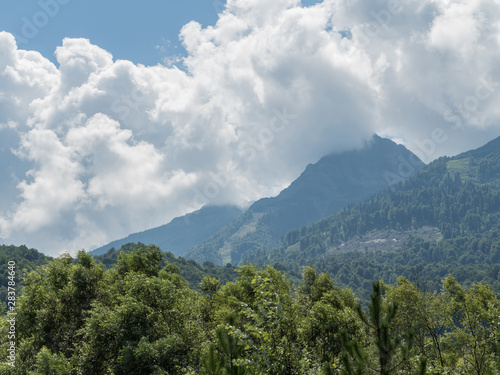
94,149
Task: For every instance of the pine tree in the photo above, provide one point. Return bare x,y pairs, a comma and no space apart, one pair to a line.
212,365
230,348
391,351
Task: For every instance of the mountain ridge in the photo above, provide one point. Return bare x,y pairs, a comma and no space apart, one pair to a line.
323,188
181,233
444,219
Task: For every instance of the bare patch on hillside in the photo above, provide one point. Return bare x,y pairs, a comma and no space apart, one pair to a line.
246,228
386,240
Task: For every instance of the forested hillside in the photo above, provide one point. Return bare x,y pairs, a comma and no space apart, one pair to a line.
444,219
334,182
139,317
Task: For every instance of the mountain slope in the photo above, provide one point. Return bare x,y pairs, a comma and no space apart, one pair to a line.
181,233
444,218
457,196
331,184
336,181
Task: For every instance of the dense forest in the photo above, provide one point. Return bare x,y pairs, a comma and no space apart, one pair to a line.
444,220
139,316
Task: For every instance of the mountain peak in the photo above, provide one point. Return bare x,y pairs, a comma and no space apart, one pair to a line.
350,176
323,188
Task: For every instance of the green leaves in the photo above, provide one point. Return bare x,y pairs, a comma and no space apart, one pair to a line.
76,317
209,285
148,324
49,363
390,351
146,260
473,336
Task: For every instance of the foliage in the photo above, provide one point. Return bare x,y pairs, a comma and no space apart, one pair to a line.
188,269
391,350
446,218
77,317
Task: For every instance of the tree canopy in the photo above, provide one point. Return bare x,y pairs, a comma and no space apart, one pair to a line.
76,316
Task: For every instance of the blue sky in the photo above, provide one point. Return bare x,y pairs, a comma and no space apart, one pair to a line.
100,136
130,30
144,32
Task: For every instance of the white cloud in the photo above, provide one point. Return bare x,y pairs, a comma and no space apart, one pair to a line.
101,148
53,188
78,59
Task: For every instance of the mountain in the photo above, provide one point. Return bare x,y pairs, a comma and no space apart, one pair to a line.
445,219
182,233
325,187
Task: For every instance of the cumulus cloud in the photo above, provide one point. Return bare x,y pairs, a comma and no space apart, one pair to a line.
95,149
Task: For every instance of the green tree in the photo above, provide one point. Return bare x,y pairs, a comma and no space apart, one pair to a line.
473,336
265,322
54,305
209,286
391,351
426,315
230,347
327,311
145,259
147,324
48,363
211,362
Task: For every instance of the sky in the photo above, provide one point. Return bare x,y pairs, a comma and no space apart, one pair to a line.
142,32
116,117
